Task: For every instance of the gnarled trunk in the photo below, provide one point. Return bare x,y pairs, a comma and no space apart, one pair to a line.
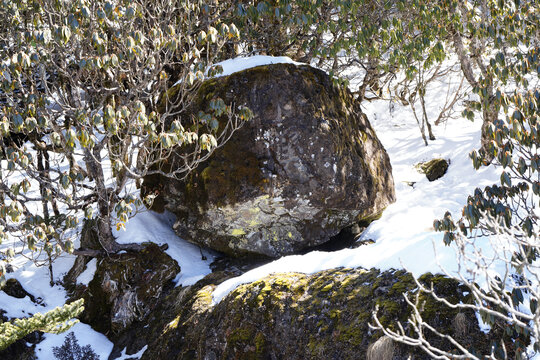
489,110
92,159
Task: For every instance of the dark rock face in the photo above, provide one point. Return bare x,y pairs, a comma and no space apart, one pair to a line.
125,288
434,169
23,349
306,166
13,287
298,316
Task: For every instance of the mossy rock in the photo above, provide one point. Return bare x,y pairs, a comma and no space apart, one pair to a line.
164,325
434,169
325,315
307,165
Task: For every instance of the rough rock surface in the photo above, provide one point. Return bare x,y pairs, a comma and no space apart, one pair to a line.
13,287
125,288
306,166
434,169
298,316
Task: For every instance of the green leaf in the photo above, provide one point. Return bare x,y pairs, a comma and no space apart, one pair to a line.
505,179
533,305
65,34
65,181
17,122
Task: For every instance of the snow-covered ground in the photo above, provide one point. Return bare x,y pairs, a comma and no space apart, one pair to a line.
403,235
85,336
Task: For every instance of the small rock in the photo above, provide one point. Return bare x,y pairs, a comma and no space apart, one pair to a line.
434,169
14,288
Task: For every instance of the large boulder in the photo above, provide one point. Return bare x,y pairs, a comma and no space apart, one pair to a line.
325,315
306,166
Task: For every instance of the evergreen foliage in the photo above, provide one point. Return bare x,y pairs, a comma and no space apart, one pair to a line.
379,37
55,321
383,38
71,350
512,141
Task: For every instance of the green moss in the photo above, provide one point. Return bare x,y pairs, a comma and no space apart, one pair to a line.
260,343
335,313
222,178
351,335
285,281
447,288
364,292
404,283
203,298
327,313
327,288
239,336
364,221
242,344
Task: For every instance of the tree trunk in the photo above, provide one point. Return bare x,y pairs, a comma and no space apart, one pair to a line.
425,118
489,111
45,206
95,170
105,203
48,177
105,235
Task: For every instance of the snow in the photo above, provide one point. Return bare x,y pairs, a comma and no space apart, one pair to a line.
15,307
88,274
144,227
35,280
85,336
242,63
137,355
